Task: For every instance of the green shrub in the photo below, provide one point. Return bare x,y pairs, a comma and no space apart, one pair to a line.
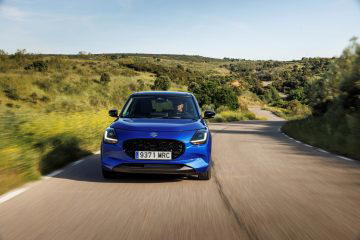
43,85
233,116
161,83
222,109
140,85
33,98
214,90
11,93
218,119
271,95
105,78
45,99
210,107
39,66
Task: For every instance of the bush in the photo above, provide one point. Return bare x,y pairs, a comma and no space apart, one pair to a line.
45,99
210,107
39,66
43,85
271,95
33,98
11,93
222,109
105,78
140,85
161,83
216,91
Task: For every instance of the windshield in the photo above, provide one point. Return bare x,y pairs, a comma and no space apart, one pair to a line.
160,107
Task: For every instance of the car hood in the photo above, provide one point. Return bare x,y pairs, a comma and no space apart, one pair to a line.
146,124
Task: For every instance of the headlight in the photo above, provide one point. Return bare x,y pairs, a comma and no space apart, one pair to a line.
199,137
110,136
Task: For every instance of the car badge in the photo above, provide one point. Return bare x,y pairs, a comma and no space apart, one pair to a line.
153,134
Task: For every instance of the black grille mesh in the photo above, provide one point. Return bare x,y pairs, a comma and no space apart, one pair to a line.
176,147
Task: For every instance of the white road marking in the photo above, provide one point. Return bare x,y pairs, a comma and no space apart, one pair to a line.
322,150
7,196
77,162
345,158
54,173
319,149
12,194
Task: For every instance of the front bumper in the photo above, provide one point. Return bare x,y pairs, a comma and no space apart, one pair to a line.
154,169
195,159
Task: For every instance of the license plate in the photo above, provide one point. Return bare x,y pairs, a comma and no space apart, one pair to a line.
152,155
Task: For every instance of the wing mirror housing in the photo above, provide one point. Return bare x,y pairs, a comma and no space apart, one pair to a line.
209,114
113,113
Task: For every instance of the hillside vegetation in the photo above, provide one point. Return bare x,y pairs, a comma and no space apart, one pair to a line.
335,100
54,107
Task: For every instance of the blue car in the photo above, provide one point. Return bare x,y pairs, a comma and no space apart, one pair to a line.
160,133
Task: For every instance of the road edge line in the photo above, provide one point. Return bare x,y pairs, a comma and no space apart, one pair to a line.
17,191
316,148
10,195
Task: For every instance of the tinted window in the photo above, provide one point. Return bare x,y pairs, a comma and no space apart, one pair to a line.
160,107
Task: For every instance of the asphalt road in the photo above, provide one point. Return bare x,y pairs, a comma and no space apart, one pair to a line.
265,186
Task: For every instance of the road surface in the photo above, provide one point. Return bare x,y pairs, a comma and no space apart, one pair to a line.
265,186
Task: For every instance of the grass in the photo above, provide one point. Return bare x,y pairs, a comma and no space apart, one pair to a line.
292,112
35,143
233,116
335,132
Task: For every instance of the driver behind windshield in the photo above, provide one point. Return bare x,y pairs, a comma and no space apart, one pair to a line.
151,107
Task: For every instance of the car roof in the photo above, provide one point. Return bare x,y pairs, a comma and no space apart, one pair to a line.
162,93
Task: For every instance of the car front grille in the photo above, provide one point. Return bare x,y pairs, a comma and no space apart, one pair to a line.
167,145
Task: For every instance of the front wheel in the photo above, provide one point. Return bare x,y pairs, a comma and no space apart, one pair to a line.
206,175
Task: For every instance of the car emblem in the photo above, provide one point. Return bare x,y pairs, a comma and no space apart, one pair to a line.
153,134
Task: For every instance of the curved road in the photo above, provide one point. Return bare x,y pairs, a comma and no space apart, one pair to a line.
266,186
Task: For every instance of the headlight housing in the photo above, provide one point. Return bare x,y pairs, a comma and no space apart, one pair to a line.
110,136
199,137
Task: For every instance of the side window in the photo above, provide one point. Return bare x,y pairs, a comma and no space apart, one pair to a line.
190,108
127,108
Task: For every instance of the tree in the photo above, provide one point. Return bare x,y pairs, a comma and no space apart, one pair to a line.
214,91
161,83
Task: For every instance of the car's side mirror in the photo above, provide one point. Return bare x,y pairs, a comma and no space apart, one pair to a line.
209,114
113,113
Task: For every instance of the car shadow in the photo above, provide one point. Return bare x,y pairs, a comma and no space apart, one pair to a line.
89,170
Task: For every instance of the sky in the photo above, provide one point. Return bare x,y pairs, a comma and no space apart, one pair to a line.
250,29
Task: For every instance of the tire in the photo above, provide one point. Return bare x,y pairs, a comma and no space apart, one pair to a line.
107,174
206,175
